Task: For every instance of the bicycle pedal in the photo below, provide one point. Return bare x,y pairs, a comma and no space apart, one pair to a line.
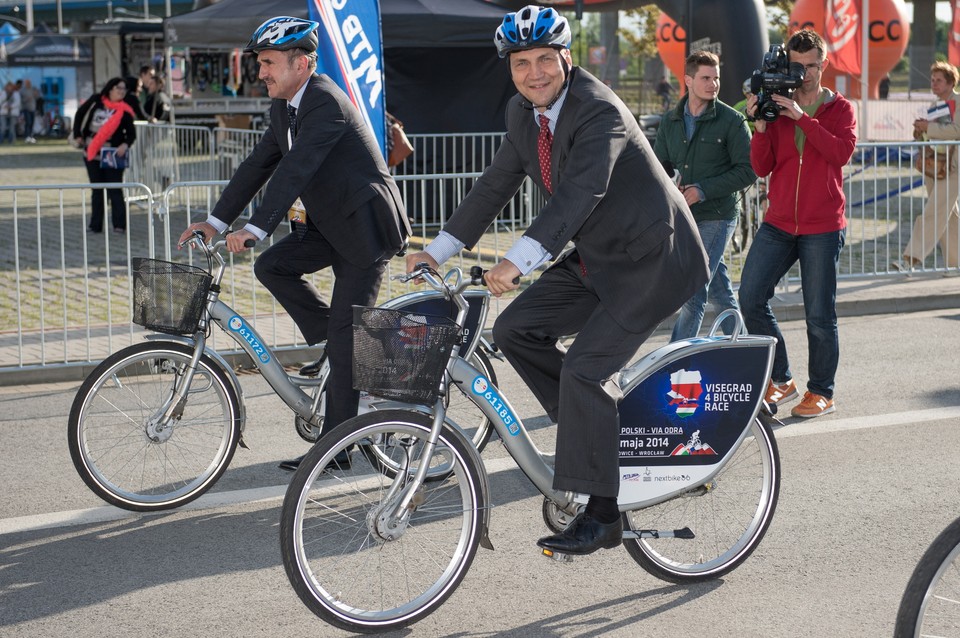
557,556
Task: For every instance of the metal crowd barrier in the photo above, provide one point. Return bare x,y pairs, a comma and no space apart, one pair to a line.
69,303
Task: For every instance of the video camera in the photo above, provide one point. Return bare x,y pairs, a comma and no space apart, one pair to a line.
776,75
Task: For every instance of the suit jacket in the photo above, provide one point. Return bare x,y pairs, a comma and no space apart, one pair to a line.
334,165
612,199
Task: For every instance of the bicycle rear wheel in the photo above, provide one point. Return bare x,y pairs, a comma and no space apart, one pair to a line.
348,560
728,516
139,467
931,602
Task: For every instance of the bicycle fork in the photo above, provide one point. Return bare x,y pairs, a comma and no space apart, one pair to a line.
159,427
406,494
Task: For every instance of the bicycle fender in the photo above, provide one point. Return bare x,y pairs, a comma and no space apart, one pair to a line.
231,375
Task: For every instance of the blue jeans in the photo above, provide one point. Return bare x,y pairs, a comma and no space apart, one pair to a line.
715,236
772,254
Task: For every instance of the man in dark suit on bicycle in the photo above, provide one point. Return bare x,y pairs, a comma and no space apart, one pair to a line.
329,179
637,256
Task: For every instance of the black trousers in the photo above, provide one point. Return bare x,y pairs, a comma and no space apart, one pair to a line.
118,207
281,269
572,386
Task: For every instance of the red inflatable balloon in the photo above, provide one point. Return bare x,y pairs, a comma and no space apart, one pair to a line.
889,33
672,45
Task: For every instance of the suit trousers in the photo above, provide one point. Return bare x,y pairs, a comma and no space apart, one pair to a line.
281,268
572,386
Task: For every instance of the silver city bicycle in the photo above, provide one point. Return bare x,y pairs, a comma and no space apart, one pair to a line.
382,543
931,602
156,424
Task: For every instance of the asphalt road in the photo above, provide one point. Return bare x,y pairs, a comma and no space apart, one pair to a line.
864,492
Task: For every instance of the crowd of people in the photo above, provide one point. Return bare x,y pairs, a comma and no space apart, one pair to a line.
21,112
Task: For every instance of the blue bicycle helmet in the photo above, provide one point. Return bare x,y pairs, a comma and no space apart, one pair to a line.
284,33
530,28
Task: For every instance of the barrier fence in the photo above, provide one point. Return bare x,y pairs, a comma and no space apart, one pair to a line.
70,296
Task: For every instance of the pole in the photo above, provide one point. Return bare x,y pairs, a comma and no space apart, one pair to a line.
864,68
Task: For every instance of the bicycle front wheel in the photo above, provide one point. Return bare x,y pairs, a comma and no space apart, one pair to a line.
356,559
931,602
126,455
728,516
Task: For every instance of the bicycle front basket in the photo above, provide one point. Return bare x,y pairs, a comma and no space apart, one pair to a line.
399,355
168,297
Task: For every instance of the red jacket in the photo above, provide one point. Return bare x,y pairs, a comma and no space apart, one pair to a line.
806,193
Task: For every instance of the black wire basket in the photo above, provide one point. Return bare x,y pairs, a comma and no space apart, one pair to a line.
399,355
168,297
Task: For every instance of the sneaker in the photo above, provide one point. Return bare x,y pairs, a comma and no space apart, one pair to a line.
781,393
813,405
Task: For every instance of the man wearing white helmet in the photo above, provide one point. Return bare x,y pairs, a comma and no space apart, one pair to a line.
329,179
637,256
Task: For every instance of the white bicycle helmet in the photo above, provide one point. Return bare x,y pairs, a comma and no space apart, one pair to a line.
530,28
284,33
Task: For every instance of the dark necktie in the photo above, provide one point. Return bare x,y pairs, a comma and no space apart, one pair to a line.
292,114
544,151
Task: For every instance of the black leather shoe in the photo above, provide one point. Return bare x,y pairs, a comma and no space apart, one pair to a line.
312,369
584,535
340,462
292,464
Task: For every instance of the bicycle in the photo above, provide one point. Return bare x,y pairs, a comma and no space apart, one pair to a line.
931,601
156,424
370,550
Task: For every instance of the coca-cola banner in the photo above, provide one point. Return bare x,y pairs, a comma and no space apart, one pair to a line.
953,43
842,35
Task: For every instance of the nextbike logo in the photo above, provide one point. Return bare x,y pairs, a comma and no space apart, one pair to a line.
483,388
236,324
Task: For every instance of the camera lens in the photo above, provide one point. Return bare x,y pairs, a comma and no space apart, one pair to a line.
769,111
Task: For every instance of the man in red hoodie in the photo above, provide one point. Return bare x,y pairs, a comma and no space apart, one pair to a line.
803,151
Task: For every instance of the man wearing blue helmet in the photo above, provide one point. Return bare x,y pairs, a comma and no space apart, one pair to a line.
327,176
636,256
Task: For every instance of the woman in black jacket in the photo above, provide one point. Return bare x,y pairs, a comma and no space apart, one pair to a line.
105,121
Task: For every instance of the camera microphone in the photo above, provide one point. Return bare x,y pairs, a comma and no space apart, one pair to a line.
672,173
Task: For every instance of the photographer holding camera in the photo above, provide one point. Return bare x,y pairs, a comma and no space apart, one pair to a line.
803,149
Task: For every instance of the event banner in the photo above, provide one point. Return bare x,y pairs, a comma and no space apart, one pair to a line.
842,35
351,53
953,42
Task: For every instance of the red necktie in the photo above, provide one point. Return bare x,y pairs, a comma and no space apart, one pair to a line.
544,149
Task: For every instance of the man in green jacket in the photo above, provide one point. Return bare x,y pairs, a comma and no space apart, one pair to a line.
707,143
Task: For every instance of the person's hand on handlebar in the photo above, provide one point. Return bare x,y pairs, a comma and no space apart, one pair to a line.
239,241
502,278
420,258
208,232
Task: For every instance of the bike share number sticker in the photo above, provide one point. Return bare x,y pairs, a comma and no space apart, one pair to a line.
236,324
483,388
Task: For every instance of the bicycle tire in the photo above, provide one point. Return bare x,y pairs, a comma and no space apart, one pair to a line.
108,437
349,569
930,606
748,487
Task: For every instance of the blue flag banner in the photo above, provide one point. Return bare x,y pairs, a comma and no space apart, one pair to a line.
351,54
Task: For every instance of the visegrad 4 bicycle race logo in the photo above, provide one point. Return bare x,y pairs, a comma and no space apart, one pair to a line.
689,393
236,324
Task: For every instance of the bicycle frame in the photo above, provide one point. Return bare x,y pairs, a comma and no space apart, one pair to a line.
289,387
742,361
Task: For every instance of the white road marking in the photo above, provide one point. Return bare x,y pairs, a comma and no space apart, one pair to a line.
276,492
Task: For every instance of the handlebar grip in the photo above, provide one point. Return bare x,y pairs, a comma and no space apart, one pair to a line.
250,243
477,276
